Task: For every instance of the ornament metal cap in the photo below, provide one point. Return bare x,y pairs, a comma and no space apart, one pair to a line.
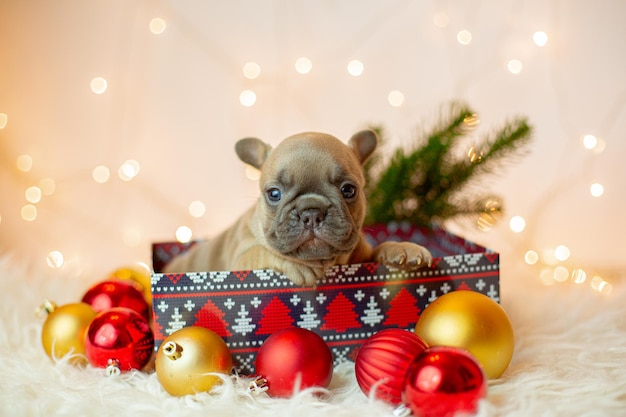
172,350
258,386
47,306
113,368
402,411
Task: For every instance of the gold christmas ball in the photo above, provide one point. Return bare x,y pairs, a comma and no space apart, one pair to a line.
64,330
472,321
138,276
187,356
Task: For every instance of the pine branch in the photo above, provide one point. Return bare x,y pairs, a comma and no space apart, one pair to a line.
507,142
422,185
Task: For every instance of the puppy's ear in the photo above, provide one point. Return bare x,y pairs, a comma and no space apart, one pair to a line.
363,143
252,151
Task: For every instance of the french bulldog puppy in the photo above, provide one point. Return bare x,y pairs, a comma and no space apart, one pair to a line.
308,217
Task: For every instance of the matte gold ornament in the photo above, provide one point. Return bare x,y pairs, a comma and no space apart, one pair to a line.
64,330
188,357
138,276
472,321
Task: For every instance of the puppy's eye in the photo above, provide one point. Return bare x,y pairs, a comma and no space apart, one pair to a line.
348,191
274,195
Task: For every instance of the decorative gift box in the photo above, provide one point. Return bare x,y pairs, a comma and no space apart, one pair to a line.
350,305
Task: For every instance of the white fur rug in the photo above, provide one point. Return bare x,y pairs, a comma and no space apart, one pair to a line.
570,360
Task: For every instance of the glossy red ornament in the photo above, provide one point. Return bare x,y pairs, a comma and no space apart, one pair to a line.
119,335
112,293
293,359
443,381
383,361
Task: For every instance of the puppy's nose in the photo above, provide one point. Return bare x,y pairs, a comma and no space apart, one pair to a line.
312,218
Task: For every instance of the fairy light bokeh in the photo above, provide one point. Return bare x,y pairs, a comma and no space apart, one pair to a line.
116,136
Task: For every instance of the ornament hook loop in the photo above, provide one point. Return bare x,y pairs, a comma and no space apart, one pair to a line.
113,368
402,411
47,306
258,386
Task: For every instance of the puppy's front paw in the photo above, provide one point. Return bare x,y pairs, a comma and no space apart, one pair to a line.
302,274
402,255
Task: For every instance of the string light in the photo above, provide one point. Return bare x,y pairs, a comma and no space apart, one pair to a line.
128,170
33,194
540,38
471,121
593,143
490,213
247,98
183,234
531,257
197,209
579,276
157,26
3,120
596,189
590,141
29,212
561,273
251,70
475,155
101,174
464,37
47,186
55,259
546,276
562,253
514,66
355,68
517,224
252,173
600,285
24,163
551,272
99,85
303,65
395,98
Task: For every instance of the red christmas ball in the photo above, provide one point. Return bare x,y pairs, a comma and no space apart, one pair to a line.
384,359
112,293
119,335
292,359
443,381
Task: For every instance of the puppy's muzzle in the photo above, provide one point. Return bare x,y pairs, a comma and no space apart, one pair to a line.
311,210
312,218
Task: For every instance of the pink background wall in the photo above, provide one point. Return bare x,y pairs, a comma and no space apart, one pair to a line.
172,104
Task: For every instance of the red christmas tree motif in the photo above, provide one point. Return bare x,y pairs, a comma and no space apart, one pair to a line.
340,315
463,287
157,329
403,311
212,318
275,316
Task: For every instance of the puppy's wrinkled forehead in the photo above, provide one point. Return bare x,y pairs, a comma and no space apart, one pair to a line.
308,157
